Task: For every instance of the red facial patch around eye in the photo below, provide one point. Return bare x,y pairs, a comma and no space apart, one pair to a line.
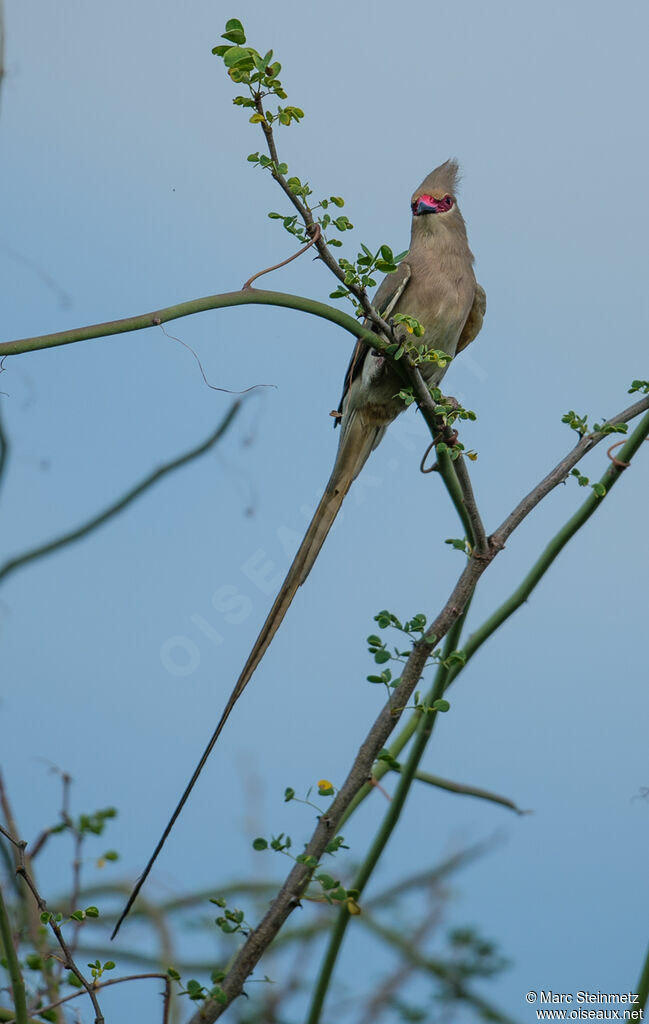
432,204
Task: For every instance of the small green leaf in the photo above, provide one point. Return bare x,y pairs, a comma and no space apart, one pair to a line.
326,881
599,490
92,912
457,543
173,973
260,844
239,58
234,26
288,794
440,705
308,859
218,995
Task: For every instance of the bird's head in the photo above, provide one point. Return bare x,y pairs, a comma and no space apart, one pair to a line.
435,198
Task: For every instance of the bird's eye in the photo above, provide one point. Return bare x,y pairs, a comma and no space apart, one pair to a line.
448,201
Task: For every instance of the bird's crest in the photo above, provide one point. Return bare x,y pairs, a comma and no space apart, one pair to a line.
443,180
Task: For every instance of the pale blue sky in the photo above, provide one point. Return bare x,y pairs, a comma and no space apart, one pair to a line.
124,179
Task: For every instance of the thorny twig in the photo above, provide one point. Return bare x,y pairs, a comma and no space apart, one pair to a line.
307,216
68,959
118,981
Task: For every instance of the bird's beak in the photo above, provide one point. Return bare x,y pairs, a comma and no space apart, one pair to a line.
423,205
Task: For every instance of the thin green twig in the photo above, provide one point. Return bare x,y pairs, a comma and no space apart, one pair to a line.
554,548
462,790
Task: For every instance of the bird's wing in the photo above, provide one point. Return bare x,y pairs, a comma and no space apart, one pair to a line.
474,320
389,292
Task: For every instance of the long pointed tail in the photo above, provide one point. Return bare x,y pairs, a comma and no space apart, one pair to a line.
356,444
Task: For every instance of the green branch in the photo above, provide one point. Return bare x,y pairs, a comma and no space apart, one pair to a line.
556,545
251,296
462,790
81,531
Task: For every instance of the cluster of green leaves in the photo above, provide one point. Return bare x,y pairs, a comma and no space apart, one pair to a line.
415,630
446,412
195,991
92,824
97,968
246,66
232,920
639,385
259,73
580,424
87,824
583,481
359,273
76,915
282,844
293,225
330,888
